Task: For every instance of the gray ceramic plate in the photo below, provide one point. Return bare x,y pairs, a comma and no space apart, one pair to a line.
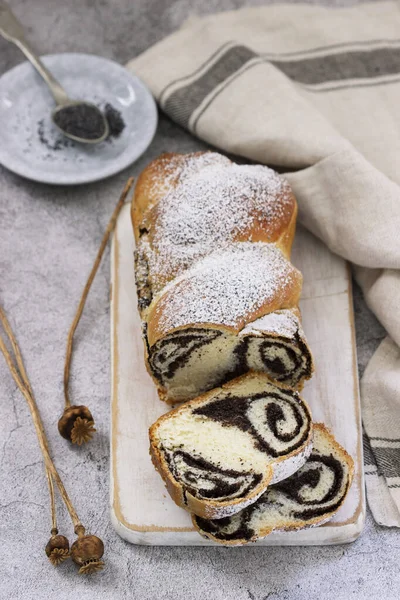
32,147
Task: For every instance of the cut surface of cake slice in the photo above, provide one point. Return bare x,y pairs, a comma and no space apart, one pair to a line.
218,453
190,361
309,497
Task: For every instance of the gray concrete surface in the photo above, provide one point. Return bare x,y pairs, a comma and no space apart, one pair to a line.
48,237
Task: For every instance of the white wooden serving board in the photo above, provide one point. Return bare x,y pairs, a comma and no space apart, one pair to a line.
142,511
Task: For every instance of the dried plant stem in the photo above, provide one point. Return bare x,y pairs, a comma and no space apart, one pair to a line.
86,289
24,377
21,379
54,528
87,550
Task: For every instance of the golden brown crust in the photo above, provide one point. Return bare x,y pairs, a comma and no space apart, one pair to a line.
285,241
286,297
174,490
212,509
163,174
260,227
149,189
300,524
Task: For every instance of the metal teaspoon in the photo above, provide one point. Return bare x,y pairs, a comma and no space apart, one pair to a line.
87,113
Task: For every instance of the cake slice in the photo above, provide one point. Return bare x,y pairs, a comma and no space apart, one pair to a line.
218,453
308,498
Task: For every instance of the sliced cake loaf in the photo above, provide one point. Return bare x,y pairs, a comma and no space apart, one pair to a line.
217,293
308,498
218,453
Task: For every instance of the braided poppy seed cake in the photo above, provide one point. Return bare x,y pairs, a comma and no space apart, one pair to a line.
217,293
218,453
308,498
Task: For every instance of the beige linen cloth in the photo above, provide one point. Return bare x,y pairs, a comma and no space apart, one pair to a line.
318,90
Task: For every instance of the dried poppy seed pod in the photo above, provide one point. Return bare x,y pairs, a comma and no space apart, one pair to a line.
57,548
86,552
76,424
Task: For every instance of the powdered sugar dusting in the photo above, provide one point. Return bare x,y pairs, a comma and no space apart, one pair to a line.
171,169
283,323
227,286
214,203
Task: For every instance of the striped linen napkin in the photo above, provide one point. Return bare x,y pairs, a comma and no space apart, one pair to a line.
318,90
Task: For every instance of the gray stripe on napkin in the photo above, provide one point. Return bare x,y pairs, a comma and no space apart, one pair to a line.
330,67
388,461
367,450
361,64
181,103
210,60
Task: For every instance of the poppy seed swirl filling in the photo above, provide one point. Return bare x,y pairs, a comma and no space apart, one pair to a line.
314,493
191,361
223,448
202,478
173,352
276,421
287,361
143,286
